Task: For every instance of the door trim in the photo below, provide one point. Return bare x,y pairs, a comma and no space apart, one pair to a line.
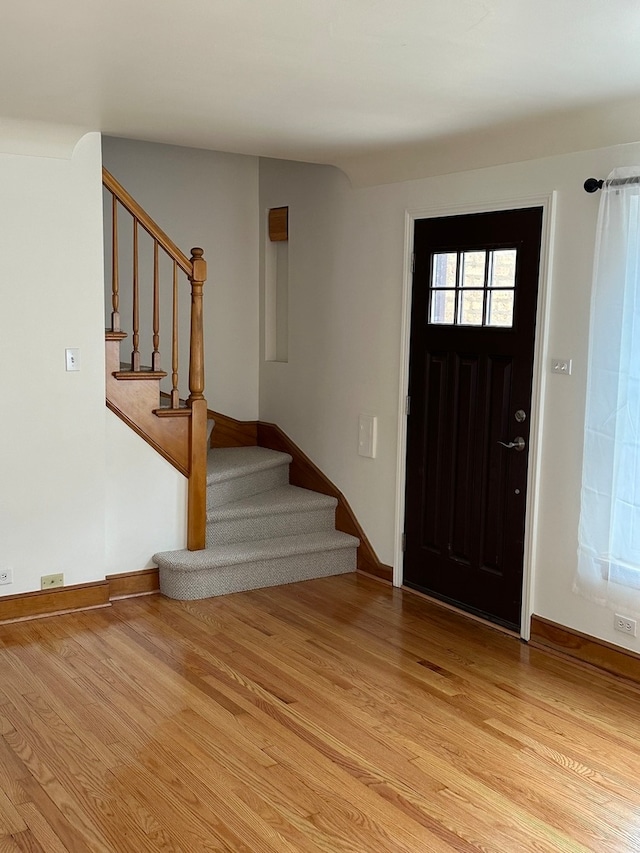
548,204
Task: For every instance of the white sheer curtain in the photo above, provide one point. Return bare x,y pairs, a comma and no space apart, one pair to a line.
609,533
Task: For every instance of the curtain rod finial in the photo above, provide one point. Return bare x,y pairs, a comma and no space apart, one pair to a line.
592,185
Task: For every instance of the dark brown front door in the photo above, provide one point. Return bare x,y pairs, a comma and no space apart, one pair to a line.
470,373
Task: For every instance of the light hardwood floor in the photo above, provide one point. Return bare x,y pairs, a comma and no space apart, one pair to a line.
332,715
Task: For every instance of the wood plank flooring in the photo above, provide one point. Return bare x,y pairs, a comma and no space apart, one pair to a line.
332,715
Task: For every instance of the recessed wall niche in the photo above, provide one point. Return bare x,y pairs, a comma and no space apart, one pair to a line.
276,285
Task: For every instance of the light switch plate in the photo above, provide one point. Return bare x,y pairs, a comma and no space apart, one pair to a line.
72,356
367,435
562,366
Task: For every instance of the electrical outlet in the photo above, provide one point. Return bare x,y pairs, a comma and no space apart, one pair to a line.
563,366
625,625
6,576
51,581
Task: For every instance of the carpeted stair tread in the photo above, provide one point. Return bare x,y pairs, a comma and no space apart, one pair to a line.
261,531
196,583
227,463
279,547
280,510
275,501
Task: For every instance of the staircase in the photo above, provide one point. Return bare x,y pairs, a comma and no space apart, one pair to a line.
260,532
247,527
176,430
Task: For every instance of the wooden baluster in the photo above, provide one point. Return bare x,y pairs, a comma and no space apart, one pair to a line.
115,283
155,358
197,486
135,355
175,396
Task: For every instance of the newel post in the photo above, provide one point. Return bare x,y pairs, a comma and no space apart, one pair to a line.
197,502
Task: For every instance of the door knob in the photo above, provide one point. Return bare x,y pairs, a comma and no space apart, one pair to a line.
518,444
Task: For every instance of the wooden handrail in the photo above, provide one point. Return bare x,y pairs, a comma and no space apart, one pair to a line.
146,221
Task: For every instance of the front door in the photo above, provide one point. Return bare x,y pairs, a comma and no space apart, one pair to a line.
470,376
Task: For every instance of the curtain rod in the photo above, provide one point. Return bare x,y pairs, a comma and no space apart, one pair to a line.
592,185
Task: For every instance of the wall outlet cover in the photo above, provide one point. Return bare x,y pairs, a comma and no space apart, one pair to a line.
51,581
563,366
367,435
625,624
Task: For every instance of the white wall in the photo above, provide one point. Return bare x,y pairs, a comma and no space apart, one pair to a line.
146,501
346,256
52,452
345,272
80,493
207,199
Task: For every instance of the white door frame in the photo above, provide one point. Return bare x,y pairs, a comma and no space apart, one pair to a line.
548,204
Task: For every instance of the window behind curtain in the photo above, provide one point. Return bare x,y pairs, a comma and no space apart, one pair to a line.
609,533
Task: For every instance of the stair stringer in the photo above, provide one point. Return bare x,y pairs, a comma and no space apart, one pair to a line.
134,403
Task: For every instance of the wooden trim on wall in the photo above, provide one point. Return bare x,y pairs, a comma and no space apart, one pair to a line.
582,647
228,432
307,475
84,596
128,584
28,605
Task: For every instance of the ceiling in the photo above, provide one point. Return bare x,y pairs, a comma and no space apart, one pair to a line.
380,89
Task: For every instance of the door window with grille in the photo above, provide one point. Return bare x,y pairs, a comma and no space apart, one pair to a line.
473,288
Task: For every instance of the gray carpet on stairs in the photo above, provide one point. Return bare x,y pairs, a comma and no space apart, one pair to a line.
282,511
237,472
261,531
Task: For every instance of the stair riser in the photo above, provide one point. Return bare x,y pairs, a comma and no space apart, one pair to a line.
205,583
250,484
268,526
